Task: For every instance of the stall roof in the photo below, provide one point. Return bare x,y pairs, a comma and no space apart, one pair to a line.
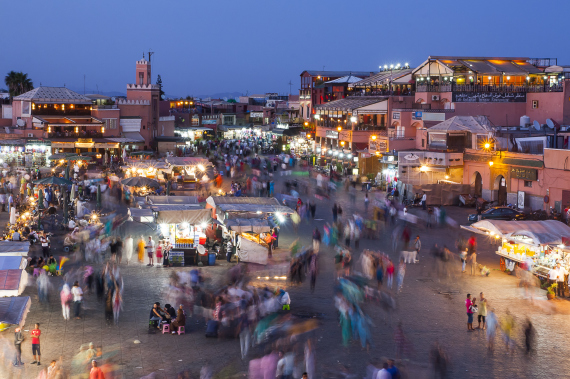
10,279
171,200
191,216
13,310
547,232
14,248
348,104
141,215
254,208
461,123
254,225
382,77
187,161
13,263
216,200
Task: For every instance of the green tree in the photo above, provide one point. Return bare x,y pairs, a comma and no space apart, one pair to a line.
18,83
159,84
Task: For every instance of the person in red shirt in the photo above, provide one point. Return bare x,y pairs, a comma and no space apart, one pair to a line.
36,343
96,372
472,244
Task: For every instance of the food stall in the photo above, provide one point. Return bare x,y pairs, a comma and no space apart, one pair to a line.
188,171
252,247
185,229
539,245
153,169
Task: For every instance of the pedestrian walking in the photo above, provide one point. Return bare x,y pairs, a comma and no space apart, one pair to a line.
149,248
313,269
529,335
36,333
424,201
401,274
390,273
66,298
18,339
45,245
482,311
463,257
316,240
128,248
417,247
473,259
77,293
96,372
366,203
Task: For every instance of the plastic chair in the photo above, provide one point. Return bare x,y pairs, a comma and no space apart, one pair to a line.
165,328
181,330
37,272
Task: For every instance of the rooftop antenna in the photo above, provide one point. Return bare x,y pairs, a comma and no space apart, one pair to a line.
290,84
84,84
323,68
150,53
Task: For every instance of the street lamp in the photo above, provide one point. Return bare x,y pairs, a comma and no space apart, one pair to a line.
487,145
491,163
339,128
373,138
341,143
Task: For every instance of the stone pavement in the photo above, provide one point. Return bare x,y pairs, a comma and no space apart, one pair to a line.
429,309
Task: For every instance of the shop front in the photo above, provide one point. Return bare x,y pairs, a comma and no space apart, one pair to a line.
236,131
25,153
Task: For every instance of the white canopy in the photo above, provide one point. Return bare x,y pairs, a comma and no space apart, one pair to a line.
11,248
12,282
547,232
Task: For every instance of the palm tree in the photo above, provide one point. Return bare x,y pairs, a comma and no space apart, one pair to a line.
18,83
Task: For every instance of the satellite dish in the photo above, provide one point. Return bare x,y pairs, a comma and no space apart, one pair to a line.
21,123
536,125
550,123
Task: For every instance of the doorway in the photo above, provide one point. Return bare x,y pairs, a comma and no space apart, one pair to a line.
477,184
501,186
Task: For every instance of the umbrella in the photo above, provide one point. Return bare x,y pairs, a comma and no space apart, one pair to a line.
53,180
168,188
136,153
140,181
72,195
98,196
77,158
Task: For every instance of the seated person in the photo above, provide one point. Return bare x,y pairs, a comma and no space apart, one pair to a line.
67,241
41,263
169,313
155,314
71,224
16,236
26,232
51,260
179,321
33,262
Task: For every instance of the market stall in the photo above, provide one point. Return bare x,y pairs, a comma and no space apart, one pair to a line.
12,282
189,171
152,169
185,230
13,311
252,246
539,245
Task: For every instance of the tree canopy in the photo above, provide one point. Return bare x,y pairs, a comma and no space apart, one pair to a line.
18,83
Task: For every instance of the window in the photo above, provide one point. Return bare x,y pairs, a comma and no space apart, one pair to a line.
534,104
141,76
400,131
423,142
144,127
528,183
110,123
25,108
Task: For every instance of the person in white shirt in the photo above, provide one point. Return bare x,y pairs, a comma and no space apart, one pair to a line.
424,201
77,293
553,275
16,236
150,251
384,373
560,279
71,224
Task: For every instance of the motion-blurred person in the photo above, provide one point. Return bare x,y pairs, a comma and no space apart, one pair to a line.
128,248
96,372
529,334
491,321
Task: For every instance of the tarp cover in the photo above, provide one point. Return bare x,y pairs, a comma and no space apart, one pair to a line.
547,232
12,282
13,310
181,200
187,161
191,216
13,263
8,248
254,225
252,252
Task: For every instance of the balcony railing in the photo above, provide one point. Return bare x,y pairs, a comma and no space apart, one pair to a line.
381,93
75,135
488,88
397,134
114,106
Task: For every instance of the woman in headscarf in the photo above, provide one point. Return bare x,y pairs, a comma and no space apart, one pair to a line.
66,297
140,249
179,321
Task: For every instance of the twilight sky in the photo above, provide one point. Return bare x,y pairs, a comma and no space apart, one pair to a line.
212,46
